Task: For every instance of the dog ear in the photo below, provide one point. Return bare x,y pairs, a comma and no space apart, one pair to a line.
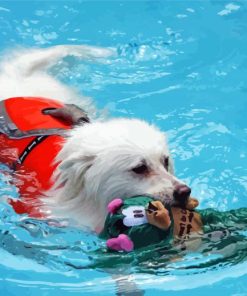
77,163
70,175
73,169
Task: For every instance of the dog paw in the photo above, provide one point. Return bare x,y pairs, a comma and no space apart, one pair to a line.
114,205
120,243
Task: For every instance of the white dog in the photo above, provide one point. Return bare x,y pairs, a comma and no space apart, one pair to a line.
101,160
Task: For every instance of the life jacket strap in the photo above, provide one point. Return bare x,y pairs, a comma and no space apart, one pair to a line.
35,142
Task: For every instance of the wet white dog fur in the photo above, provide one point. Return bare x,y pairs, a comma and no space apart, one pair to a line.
97,160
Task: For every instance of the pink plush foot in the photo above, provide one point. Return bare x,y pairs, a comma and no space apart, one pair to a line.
120,243
114,205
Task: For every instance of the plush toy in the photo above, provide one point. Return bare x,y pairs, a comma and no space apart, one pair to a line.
141,220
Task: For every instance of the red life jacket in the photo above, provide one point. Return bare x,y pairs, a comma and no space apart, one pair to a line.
29,143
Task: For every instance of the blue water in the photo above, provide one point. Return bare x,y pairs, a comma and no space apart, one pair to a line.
181,65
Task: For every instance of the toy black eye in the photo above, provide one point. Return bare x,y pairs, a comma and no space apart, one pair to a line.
140,169
166,162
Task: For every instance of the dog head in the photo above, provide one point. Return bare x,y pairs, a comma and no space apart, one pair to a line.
115,159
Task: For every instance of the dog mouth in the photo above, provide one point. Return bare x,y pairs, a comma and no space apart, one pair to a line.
164,198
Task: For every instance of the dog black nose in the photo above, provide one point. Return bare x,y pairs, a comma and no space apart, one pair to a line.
181,192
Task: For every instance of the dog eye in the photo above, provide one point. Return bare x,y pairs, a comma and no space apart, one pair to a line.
141,169
166,162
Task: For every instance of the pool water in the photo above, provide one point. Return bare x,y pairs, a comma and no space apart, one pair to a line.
181,65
